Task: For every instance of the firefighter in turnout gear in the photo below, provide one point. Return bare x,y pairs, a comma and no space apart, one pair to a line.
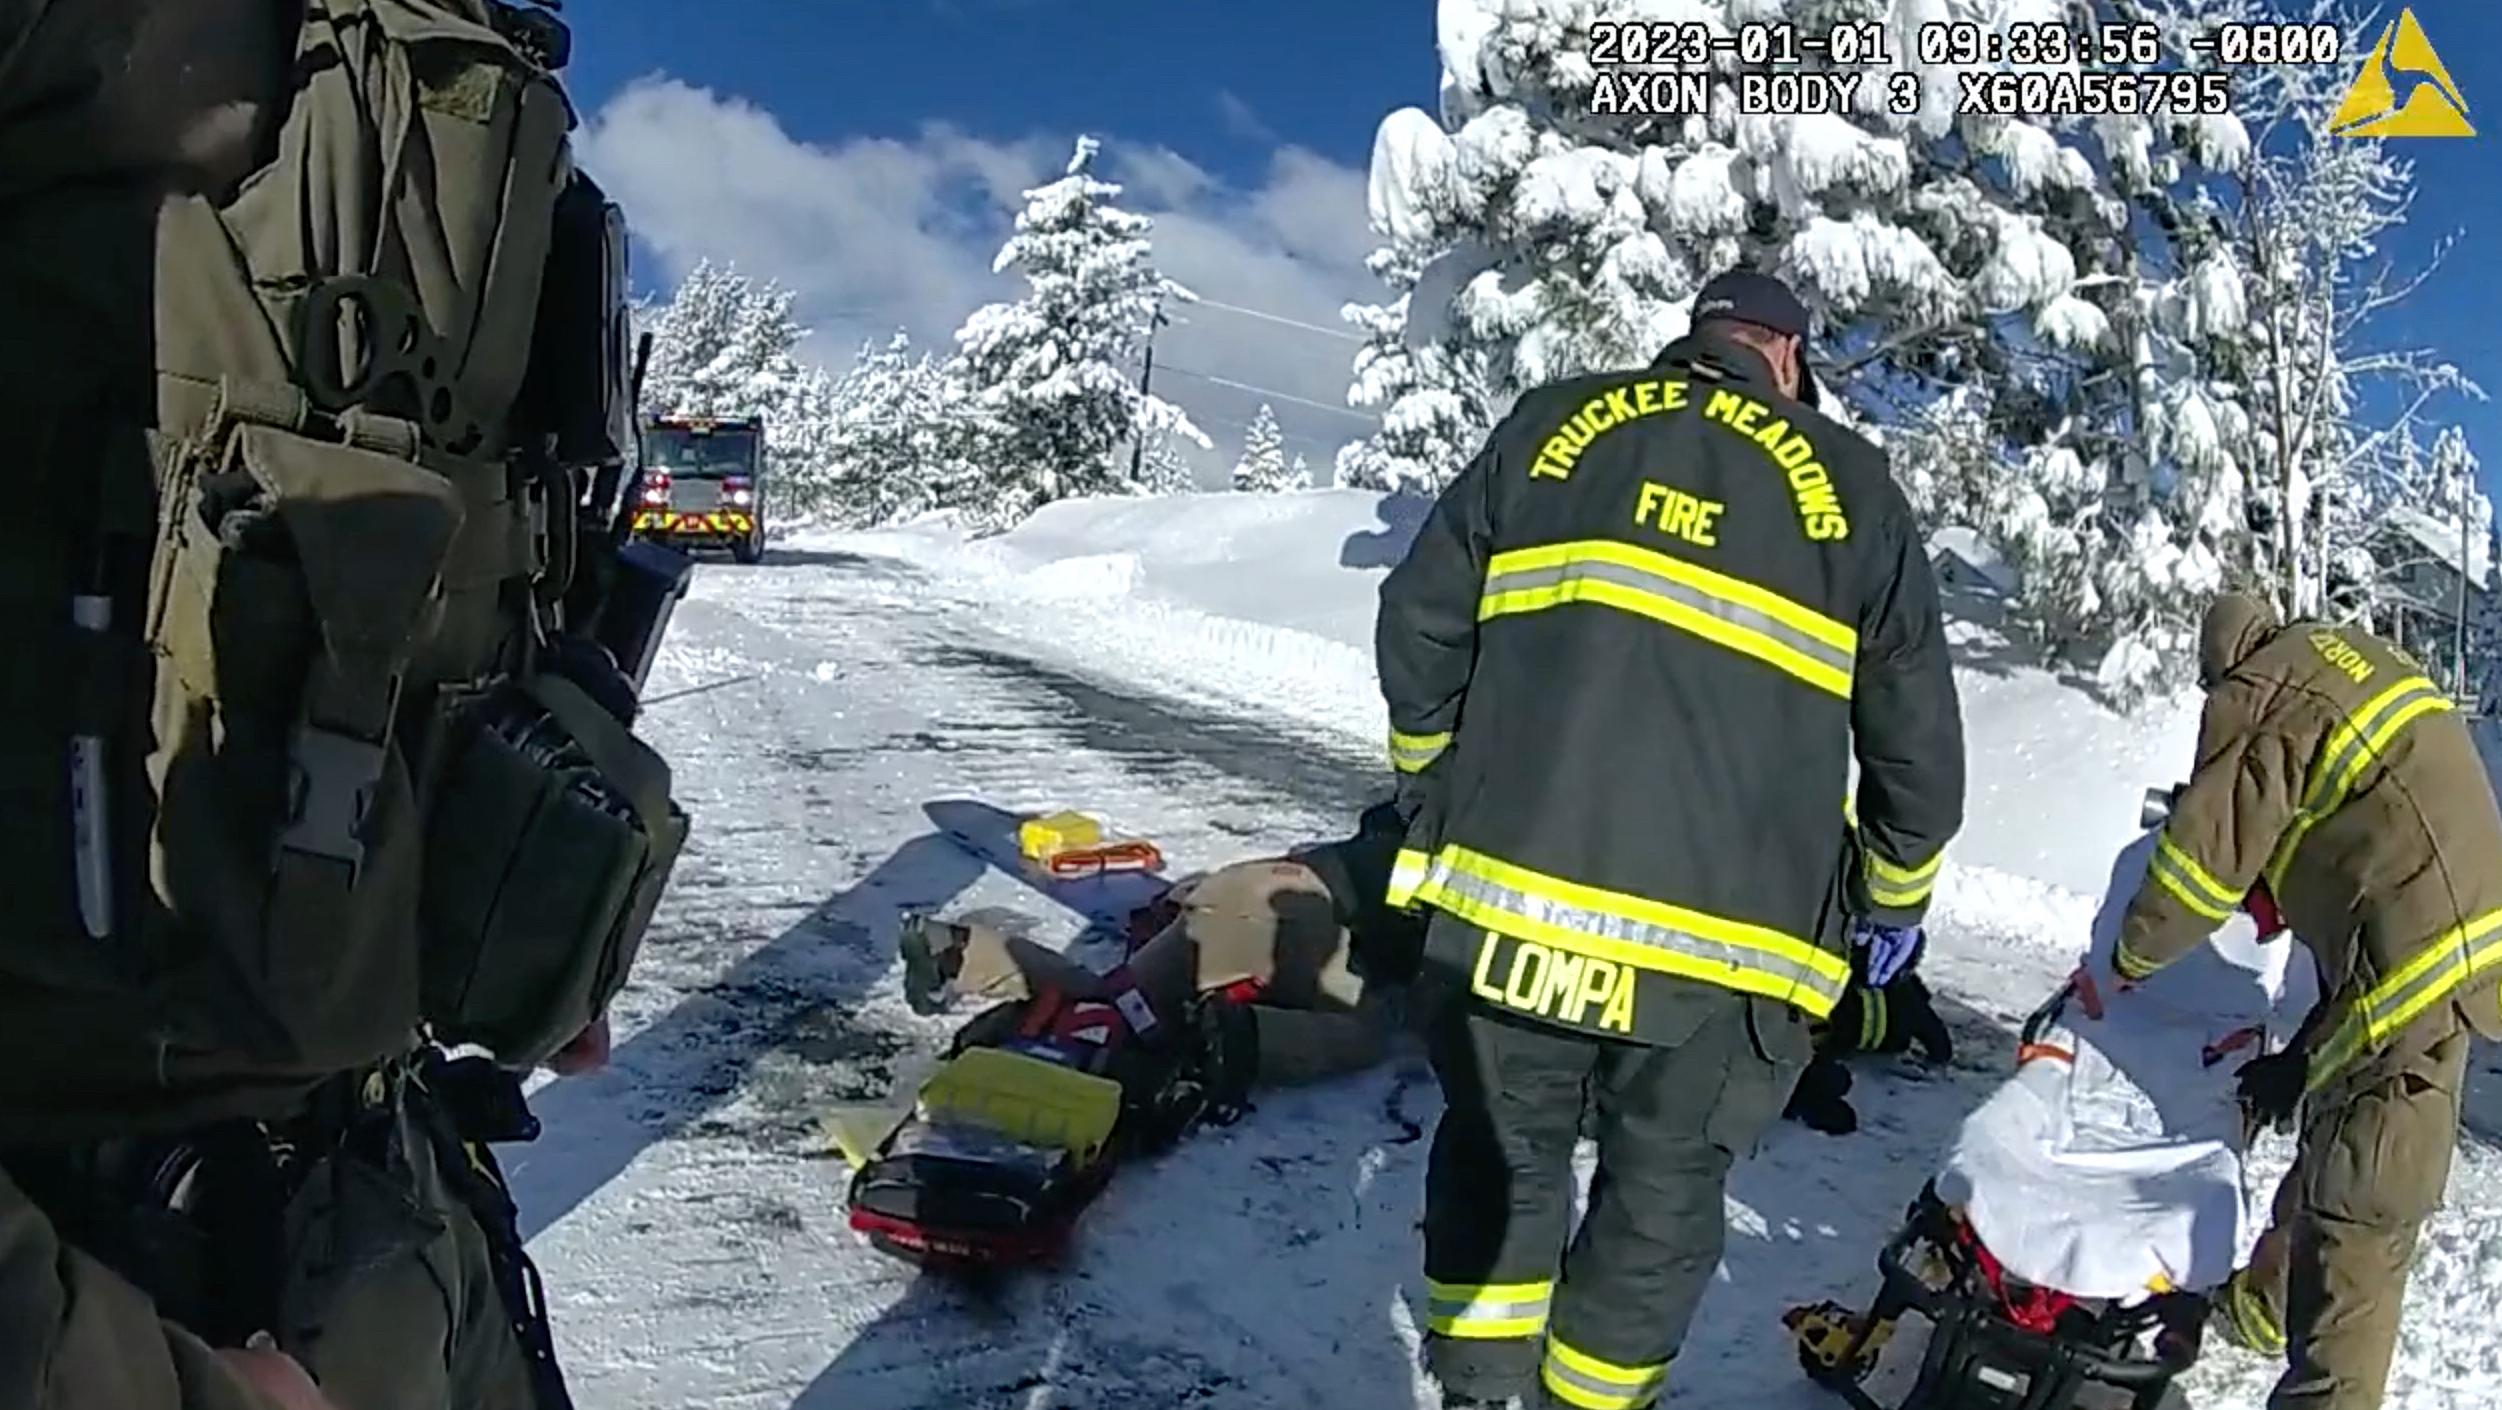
1628,662
2335,776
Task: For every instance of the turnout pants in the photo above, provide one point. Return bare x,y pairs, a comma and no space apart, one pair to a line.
2331,1270
1512,1305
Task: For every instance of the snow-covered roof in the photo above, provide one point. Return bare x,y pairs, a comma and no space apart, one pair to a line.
1976,554
2439,537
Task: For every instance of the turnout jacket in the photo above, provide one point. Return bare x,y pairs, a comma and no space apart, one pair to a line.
2333,770
1627,662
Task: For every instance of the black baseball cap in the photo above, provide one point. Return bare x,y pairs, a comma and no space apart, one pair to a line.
1752,297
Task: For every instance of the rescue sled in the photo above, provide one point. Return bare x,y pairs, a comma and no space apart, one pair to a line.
1022,1124
1000,1153
2064,1253
1997,1342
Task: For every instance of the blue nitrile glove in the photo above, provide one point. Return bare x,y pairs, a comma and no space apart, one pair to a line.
1889,949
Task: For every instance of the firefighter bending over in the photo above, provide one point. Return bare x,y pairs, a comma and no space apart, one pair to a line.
2332,773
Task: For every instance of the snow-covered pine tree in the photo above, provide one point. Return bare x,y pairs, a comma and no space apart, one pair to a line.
896,442
688,331
1262,469
1538,241
1054,373
1163,466
1298,474
1949,258
1432,396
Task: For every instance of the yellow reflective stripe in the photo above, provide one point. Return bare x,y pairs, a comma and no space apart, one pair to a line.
1407,872
1894,875
2186,868
2344,1045
1487,1311
1897,886
2251,1318
2361,738
2172,870
2453,958
2350,744
1898,897
1412,752
2180,889
1872,1018
1578,1378
1633,930
2130,966
1727,611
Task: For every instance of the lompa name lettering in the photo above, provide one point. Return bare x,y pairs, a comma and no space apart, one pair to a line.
1556,984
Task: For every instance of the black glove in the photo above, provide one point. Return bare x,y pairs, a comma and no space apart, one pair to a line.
2271,1087
1819,1100
1914,1014
1887,1020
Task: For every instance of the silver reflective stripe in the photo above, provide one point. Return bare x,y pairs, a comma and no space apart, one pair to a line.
1586,1386
2464,952
1463,1312
1444,877
1735,614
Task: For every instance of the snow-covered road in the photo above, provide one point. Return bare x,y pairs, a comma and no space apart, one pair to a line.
690,1226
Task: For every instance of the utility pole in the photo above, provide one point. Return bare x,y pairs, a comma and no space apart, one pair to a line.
2459,628
1146,382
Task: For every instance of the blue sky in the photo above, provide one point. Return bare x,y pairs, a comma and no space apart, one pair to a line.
864,151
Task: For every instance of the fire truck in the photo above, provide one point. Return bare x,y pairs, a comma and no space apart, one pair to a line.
702,484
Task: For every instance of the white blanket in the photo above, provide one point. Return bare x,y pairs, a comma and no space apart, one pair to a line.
2117,1170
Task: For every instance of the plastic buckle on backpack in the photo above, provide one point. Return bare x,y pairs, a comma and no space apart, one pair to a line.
329,789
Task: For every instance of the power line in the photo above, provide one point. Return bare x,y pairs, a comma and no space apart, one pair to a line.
1339,333
1295,437
1269,392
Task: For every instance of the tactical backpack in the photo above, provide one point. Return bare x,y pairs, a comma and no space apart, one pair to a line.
360,798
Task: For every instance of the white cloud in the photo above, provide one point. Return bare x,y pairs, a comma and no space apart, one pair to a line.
880,233
1241,119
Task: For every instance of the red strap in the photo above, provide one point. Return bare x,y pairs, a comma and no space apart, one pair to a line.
1091,1023
2033,1309
1040,1011
1114,856
2230,1044
2088,994
1242,991
2261,904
